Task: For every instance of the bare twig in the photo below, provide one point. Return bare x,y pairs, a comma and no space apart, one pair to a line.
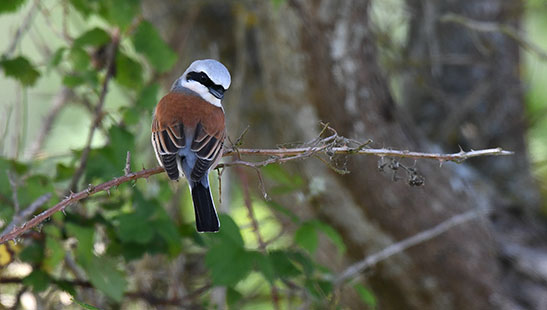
371,260
507,30
48,19
98,115
60,100
25,25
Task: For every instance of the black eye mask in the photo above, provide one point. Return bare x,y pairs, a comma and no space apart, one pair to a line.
202,78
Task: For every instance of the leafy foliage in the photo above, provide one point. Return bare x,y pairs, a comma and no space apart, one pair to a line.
97,244
20,69
10,6
148,42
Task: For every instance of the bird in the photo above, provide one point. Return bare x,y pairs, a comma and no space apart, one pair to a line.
188,131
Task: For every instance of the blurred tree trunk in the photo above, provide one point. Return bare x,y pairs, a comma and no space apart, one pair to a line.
466,89
317,60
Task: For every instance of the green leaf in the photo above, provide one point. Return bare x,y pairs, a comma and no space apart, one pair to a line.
232,296
366,295
104,275
109,161
130,115
20,69
9,6
281,209
128,71
84,235
332,234
73,80
129,251
34,187
52,231
228,263
286,182
148,42
56,58
134,227
283,267
304,261
33,253
38,279
229,233
66,286
148,97
306,237
85,306
63,172
55,253
94,37
264,265
80,58
168,232
319,288
143,206
84,7
121,12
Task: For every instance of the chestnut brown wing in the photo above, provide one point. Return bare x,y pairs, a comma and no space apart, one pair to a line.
167,143
208,147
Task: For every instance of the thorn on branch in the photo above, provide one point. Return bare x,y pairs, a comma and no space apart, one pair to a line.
90,188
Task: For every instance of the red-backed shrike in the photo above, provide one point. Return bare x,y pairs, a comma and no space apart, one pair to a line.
188,133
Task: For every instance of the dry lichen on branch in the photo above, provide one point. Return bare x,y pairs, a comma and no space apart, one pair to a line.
331,145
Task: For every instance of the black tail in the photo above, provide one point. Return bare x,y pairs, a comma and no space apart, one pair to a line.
206,215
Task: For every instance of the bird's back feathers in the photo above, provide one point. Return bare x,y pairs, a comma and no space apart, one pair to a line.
188,135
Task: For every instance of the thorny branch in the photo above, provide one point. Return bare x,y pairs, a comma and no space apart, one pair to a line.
338,145
331,145
74,197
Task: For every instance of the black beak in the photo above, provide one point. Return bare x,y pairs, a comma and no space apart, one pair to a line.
217,91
